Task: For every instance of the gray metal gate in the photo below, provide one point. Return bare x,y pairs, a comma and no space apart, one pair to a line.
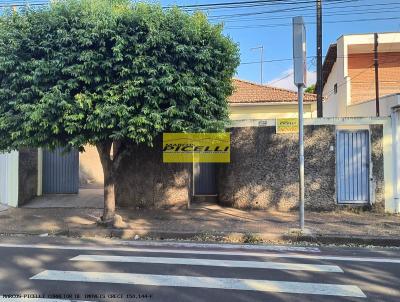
352,171
60,171
204,179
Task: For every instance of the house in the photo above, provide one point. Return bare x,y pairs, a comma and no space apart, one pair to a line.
349,75
255,101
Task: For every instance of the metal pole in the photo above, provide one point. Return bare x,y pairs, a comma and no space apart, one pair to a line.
376,64
301,156
319,59
261,48
262,62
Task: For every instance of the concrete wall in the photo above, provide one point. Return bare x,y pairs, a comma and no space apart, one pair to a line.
27,175
368,108
90,169
270,111
145,181
263,172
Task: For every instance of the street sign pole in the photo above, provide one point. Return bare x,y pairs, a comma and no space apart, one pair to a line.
301,155
300,75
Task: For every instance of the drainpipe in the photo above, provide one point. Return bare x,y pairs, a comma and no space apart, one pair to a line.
395,151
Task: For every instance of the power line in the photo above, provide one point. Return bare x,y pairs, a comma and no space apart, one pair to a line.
359,12
325,22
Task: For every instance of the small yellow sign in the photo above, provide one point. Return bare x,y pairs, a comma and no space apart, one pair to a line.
196,147
287,125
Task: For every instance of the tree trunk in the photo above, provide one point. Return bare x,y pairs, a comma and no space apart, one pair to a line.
107,162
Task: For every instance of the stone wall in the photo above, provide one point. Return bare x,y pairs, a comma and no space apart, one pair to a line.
145,181
27,175
377,166
263,173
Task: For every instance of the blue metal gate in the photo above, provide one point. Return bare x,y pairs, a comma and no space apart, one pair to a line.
60,171
352,173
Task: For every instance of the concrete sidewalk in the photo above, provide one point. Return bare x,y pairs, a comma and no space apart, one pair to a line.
207,223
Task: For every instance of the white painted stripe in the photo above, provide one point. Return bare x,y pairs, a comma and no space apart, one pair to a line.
204,282
205,252
210,262
5,299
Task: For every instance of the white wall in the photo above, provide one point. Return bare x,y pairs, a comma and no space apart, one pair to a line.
9,178
331,101
369,108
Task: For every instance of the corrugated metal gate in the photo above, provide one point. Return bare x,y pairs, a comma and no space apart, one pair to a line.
60,171
204,179
353,156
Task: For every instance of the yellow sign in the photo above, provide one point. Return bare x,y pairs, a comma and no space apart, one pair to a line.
196,147
287,125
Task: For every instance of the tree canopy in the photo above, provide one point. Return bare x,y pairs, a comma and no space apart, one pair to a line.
90,71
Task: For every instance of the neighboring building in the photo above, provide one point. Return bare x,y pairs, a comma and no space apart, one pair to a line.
349,75
255,101
349,89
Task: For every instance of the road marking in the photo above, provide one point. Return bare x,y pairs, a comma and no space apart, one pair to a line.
204,252
210,262
204,282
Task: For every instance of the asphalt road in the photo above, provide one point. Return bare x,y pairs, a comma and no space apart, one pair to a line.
61,270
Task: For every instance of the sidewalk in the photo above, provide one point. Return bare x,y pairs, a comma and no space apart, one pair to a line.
207,223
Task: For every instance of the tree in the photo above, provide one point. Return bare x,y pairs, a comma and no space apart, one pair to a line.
310,89
111,74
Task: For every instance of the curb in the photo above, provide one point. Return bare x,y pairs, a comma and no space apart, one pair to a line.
214,236
239,236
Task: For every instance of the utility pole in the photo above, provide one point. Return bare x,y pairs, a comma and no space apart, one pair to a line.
376,64
261,48
319,59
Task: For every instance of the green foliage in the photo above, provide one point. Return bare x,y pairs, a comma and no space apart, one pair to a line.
310,89
89,71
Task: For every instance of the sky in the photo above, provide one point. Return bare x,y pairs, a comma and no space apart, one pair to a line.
271,28
268,24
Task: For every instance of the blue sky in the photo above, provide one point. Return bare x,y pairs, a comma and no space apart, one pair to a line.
261,29
271,28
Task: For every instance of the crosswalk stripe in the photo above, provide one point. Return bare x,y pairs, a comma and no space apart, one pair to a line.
212,262
204,282
208,252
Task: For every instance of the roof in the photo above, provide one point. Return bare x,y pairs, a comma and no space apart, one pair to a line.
248,92
329,61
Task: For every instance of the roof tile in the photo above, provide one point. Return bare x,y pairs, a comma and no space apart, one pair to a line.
248,92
